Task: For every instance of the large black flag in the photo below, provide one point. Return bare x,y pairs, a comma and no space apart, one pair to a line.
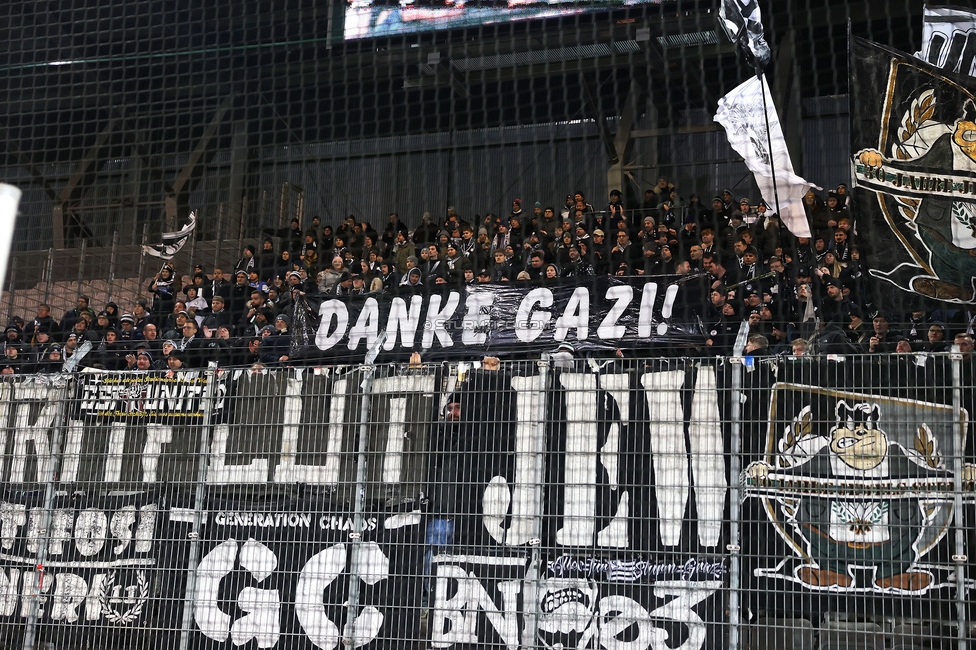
913,144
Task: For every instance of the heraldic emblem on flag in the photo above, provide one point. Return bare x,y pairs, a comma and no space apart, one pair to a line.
913,143
860,487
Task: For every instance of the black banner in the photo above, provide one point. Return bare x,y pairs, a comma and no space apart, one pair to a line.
97,577
854,487
621,482
617,442
601,313
279,573
303,428
137,428
581,503
914,170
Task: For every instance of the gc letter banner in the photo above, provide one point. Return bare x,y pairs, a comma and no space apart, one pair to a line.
284,574
602,313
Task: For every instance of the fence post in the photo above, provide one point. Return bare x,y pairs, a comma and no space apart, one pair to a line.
111,265
735,500
220,235
81,265
531,581
359,505
958,514
200,499
48,275
43,535
10,287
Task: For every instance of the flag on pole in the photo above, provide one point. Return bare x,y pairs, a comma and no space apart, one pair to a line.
949,39
742,115
172,241
741,21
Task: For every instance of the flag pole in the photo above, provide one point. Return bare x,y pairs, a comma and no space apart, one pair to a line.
769,141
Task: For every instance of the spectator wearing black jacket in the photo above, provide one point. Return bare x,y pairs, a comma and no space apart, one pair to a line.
624,252
110,352
219,315
41,320
71,317
276,347
217,286
193,345
884,338
239,294
163,290
267,261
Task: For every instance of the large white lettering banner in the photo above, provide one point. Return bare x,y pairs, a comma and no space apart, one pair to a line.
508,318
620,480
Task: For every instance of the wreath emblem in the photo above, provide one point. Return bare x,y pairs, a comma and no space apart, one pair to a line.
118,617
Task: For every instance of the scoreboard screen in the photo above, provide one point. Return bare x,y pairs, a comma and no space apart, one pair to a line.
369,18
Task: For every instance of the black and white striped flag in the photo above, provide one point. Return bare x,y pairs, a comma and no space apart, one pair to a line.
172,241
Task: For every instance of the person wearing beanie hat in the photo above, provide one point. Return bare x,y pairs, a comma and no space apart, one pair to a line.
410,264
517,212
50,360
240,293
144,360
102,323
276,347
163,290
175,361
11,336
883,338
536,214
140,359
247,260
615,212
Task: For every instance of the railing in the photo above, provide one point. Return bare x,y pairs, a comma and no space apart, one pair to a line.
623,503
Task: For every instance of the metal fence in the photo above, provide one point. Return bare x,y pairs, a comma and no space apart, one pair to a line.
777,502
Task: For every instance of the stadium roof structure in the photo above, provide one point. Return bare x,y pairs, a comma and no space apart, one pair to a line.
90,82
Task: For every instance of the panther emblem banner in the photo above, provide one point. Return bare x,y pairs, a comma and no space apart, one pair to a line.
860,488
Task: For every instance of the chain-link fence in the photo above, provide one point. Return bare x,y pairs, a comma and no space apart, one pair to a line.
121,118
740,502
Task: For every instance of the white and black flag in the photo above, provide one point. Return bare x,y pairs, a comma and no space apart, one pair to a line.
949,39
754,131
742,22
173,241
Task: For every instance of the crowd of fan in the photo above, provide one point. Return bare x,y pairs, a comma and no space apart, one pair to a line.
742,263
